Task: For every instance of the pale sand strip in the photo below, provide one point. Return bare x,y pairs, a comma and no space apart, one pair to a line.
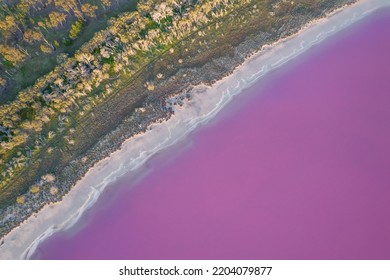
205,104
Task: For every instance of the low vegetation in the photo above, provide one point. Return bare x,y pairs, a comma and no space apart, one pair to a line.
34,32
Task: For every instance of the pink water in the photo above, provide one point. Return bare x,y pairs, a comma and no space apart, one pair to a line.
299,170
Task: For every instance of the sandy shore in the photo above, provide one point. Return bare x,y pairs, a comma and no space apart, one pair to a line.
206,102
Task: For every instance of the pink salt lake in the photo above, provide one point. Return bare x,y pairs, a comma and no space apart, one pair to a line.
298,167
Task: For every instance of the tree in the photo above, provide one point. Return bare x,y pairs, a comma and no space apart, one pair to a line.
106,3
49,178
162,11
53,190
143,8
34,189
67,5
3,82
8,25
56,19
76,29
32,36
89,10
20,199
12,54
45,48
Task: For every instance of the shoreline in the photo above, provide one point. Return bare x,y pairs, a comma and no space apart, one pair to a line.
90,193
308,121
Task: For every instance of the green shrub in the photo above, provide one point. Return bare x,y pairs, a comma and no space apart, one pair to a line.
76,29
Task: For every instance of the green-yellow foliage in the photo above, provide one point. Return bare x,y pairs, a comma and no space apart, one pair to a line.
76,29
34,189
89,10
8,25
3,82
45,48
20,199
56,19
31,36
12,54
106,3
